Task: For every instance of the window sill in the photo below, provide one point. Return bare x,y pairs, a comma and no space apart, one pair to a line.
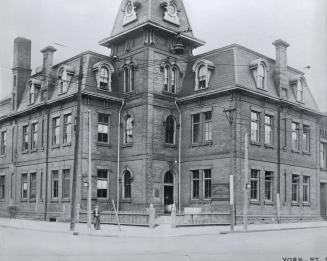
54,200
295,151
295,204
66,200
202,144
269,203
25,152
169,93
195,200
308,153
306,204
67,144
284,148
23,200
62,93
55,146
3,156
168,145
255,202
102,144
202,89
33,200
104,90
127,145
262,89
269,146
129,93
256,143
33,150
102,199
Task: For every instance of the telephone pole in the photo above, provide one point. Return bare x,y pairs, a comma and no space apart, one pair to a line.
89,191
245,184
230,114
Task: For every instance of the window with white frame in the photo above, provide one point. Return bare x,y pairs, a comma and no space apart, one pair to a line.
195,184
34,130
31,93
196,128
261,76
295,188
102,183
255,126
104,79
166,77
103,127
3,145
207,129
24,186
268,129
128,130
25,138
127,186
66,184
295,135
255,184
55,184
32,185
170,78
202,127
170,130
268,186
207,183
306,138
55,130
202,77
2,187
174,80
67,135
323,155
306,189
65,76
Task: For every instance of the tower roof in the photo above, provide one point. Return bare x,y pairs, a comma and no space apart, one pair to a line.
169,15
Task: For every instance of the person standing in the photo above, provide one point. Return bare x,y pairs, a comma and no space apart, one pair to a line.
96,215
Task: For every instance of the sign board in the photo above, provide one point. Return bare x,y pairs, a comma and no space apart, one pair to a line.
220,192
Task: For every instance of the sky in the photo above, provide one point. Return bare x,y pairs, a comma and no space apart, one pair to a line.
80,24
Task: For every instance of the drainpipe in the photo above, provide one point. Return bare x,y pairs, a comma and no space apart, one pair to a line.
118,153
46,164
179,156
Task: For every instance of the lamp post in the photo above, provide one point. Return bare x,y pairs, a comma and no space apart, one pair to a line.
230,114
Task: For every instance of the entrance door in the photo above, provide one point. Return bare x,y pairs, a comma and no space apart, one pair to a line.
168,191
323,198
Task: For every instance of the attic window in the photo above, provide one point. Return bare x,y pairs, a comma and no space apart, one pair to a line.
259,71
202,69
65,76
299,90
103,73
32,86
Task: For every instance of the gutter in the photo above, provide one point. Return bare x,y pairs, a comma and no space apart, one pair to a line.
118,153
179,156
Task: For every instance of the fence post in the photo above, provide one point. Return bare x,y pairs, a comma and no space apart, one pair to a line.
173,216
152,216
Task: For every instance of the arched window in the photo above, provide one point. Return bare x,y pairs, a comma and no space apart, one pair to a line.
104,78
129,75
299,90
31,93
202,77
261,76
127,186
170,130
166,78
174,80
128,135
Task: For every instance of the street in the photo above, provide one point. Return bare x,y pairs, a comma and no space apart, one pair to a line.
31,244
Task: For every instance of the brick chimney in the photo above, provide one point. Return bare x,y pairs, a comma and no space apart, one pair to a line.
21,68
48,58
280,72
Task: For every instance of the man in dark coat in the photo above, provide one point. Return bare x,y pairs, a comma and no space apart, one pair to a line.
96,215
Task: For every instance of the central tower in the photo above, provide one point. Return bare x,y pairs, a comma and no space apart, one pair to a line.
151,43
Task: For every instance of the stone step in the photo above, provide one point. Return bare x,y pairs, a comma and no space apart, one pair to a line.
163,220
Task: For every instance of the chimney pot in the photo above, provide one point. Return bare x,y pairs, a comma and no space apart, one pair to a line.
48,57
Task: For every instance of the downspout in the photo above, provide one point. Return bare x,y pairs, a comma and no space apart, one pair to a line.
179,156
46,165
118,153
279,166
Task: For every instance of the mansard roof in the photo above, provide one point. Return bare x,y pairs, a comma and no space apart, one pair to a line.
151,12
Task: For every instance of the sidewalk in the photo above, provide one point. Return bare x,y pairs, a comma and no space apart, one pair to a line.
160,231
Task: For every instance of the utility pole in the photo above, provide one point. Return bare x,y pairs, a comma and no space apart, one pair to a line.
76,149
245,185
89,191
230,113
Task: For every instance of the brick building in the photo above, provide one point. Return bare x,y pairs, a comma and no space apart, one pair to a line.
159,128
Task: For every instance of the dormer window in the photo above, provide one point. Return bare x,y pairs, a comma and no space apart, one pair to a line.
65,76
202,69
31,93
259,70
299,90
103,73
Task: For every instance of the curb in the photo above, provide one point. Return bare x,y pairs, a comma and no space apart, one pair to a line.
269,230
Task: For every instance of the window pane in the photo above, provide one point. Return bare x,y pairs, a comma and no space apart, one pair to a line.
66,183
195,184
32,185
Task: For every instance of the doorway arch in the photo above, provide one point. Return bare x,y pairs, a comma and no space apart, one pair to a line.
168,191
